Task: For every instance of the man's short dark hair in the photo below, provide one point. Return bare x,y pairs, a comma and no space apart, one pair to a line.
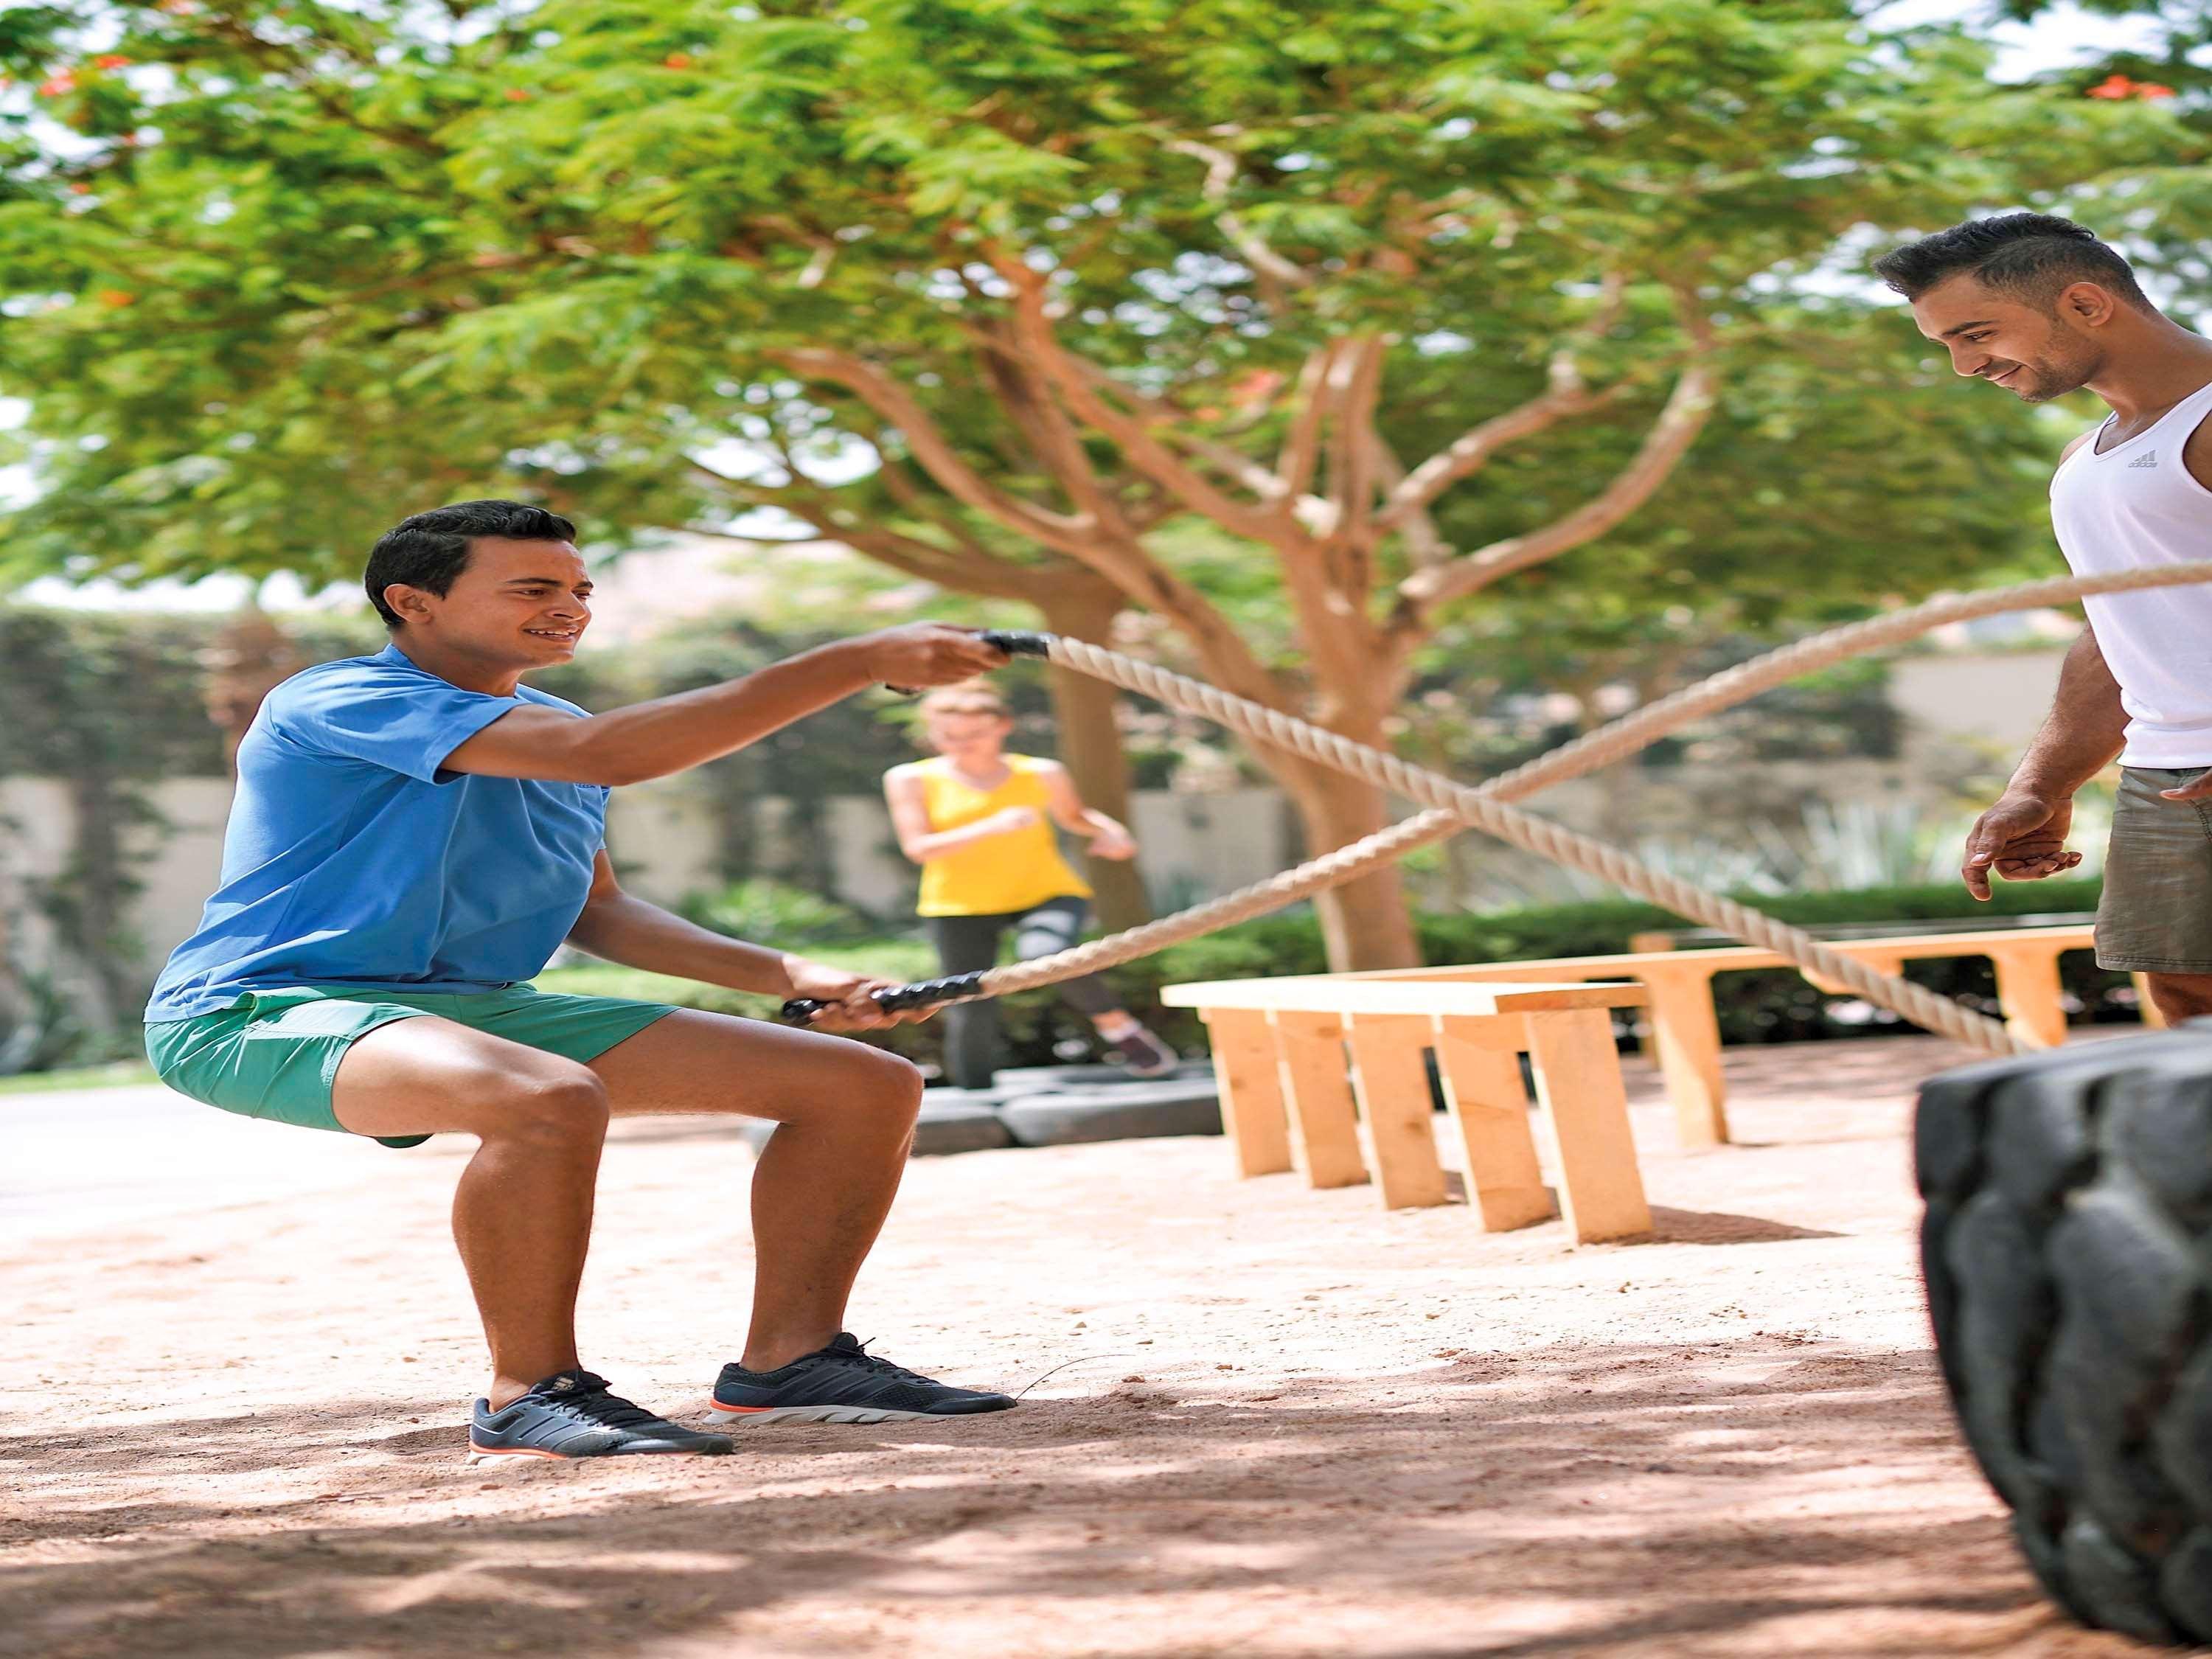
429,549
2027,256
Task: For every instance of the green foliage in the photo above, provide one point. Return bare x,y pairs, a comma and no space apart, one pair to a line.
104,704
114,1074
792,917
379,256
1762,1006
90,691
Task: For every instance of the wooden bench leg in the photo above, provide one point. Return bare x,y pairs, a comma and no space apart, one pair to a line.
1479,1059
2027,987
1393,1085
1324,1132
1585,1112
1247,1073
1687,1034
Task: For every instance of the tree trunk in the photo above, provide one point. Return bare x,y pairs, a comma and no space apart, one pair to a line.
1364,923
1091,748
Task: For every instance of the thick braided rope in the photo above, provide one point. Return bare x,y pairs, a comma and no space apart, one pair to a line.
1495,817
1640,728
1614,741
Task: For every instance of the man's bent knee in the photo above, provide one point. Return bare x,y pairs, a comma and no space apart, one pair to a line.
565,1104
2180,996
897,1082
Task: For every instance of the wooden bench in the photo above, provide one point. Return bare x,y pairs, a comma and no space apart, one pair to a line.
1289,1100
1680,939
1687,1032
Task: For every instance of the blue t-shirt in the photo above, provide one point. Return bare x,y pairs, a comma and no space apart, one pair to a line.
350,859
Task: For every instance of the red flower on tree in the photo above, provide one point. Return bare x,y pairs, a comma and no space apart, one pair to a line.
2119,86
113,60
58,86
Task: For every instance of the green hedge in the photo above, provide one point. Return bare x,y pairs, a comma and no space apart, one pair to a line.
1773,1006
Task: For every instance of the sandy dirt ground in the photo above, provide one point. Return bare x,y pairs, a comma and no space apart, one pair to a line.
1270,1422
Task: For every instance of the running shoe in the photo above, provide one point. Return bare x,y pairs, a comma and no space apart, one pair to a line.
842,1383
572,1414
1142,1055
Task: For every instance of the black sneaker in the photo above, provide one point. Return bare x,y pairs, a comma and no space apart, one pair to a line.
842,1383
1142,1055
572,1414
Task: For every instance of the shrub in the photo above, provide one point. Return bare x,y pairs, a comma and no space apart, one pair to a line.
1765,1006
791,916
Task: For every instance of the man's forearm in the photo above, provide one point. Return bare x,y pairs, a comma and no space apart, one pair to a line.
636,935
670,734
2086,727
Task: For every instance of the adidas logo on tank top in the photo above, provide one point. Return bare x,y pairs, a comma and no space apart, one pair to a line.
2117,508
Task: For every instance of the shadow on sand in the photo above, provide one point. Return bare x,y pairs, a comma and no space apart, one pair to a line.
1645,1495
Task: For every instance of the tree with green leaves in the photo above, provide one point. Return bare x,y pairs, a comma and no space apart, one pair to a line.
1383,308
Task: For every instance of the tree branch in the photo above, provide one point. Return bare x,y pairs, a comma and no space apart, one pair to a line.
934,451
1351,540
965,569
1669,438
1564,394
1158,411
1144,452
1221,170
1424,541
1294,467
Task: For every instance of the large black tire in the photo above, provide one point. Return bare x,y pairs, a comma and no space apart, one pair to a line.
945,1126
1126,1111
1058,1079
957,1125
2067,1252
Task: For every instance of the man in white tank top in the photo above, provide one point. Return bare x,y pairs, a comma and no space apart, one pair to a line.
2039,305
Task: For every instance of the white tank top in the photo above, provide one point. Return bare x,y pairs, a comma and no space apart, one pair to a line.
2137,505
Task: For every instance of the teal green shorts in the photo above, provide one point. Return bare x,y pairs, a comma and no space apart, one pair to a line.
275,1053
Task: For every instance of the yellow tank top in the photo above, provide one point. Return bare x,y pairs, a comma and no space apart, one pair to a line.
989,877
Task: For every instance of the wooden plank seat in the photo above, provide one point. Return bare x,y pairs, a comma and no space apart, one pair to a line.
1291,1100
1686,1033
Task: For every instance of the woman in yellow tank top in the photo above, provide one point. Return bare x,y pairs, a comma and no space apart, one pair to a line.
980,822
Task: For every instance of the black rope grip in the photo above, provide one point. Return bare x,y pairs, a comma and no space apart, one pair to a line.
1019,642
800,1011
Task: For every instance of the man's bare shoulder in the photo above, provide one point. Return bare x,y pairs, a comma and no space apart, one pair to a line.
2067,453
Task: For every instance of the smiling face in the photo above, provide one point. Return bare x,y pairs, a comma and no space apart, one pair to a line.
515,605
2034,353
970,740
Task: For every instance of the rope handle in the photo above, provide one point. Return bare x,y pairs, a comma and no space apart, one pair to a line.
959,988
1019,642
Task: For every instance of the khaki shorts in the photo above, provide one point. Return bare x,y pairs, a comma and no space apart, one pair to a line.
2156,914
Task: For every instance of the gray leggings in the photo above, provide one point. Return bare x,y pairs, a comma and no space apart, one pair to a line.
966,944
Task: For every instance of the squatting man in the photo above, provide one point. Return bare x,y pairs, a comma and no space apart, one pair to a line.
2039,305
413,835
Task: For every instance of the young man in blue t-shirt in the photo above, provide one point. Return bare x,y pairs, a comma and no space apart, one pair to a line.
414,834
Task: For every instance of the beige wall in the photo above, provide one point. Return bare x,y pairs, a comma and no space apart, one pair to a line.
1996,698
1966,710
663,837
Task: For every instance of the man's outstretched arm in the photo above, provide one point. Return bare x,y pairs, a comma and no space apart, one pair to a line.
672,734
621,928
2023,836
